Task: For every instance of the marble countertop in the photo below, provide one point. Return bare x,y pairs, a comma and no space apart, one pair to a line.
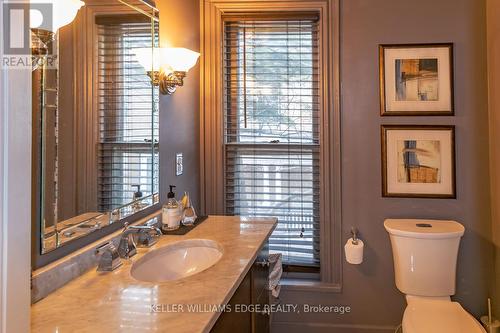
116,302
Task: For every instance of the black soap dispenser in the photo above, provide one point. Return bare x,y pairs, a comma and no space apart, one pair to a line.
171,194
136,202
137,193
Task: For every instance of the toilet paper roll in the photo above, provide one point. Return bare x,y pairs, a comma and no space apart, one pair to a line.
354,252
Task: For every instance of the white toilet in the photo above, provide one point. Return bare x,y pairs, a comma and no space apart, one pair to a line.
425,260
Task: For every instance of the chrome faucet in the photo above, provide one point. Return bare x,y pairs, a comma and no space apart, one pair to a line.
148,235
110,259
128,248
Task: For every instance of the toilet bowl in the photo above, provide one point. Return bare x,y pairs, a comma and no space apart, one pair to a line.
425,257
438,315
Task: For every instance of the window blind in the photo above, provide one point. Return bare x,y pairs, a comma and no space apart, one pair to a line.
128,112
271,129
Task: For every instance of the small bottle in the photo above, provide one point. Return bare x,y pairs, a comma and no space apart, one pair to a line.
189,215
171,212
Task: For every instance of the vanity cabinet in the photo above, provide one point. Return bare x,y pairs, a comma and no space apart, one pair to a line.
253,294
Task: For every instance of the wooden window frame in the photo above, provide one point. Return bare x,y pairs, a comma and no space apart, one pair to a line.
212,166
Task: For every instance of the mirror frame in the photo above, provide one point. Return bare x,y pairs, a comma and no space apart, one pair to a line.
38,258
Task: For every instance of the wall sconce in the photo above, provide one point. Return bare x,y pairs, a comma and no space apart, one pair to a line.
167,67
63,13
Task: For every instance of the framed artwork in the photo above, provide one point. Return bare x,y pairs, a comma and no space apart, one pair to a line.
418,161
416,80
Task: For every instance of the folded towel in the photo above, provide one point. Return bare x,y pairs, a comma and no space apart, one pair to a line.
276,270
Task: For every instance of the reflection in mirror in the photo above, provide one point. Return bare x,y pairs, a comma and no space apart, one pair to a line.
95,127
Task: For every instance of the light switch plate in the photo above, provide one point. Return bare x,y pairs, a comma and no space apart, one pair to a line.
179,164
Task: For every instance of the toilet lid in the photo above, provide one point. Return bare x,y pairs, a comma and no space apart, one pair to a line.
438,316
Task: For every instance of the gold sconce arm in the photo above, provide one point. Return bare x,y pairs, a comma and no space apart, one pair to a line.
40,41
167,67
168,83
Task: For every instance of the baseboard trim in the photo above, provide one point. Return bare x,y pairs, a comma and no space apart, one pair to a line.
300,327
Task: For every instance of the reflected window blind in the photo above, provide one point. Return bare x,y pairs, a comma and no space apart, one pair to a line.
128,112
271,103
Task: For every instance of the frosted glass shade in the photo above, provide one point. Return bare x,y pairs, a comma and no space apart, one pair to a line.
167,59
63,13
149,58
179,59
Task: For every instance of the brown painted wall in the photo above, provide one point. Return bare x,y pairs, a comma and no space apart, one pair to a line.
369,289
179,113
493,19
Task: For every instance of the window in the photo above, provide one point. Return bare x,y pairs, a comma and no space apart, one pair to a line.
272,129
270,126
127,125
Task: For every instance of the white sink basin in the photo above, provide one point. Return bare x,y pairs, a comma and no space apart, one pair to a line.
177,261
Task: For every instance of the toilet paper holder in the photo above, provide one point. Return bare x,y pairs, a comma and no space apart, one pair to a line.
353,249
354,233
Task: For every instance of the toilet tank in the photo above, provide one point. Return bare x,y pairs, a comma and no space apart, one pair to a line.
425,255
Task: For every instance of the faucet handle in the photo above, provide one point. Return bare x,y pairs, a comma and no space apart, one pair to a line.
127,248
110,258
148,236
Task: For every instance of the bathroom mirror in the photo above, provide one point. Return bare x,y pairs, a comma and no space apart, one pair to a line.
95,123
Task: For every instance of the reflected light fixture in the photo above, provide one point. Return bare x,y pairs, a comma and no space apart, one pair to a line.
167,67
63,13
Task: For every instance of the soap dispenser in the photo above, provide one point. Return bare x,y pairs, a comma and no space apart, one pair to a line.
171,212
137,194
136,202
